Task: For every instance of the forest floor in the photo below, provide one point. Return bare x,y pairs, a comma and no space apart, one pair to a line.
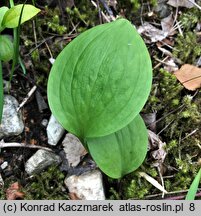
172,33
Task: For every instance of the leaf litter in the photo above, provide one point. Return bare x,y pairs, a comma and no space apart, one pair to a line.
189,76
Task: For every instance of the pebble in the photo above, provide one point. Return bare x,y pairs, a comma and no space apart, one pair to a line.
12,123
44,122
54,131
40,161
88,186
42,105
74,149
4,165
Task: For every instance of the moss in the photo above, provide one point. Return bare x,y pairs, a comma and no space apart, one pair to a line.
84,14
48,185
185,175
35,56
51,22
187,48
40,79
136,4
165,93
2,194
132,186
189,18
136,187
180,122
172,145
114,194
135,10
54,25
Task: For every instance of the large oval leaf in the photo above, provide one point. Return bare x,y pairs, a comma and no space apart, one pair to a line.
121,152
101,80
12,16
6,48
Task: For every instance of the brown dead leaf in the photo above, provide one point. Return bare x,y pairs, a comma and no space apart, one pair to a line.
150,120
13,192
73,196
168,41
27,129
181,3
167,24
151,33
157,150
189,76
33,142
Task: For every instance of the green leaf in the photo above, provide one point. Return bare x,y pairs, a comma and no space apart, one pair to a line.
6,48
16,41
11,18
2,13
1,92
122,152
194,187
101,80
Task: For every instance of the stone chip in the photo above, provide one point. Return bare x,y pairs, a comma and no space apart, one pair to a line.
40,161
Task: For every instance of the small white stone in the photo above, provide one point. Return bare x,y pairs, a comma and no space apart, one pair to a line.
1,181
44,122
54,131
52,60
74,149
12,123
40,161
87,186
4,165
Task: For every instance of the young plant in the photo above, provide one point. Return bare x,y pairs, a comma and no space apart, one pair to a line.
12,18
96,89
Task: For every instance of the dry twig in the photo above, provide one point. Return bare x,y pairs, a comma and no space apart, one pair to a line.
22,145
162,182
190,134
109,11
172,193
27,97
111,18
181,107
161,62
152,181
